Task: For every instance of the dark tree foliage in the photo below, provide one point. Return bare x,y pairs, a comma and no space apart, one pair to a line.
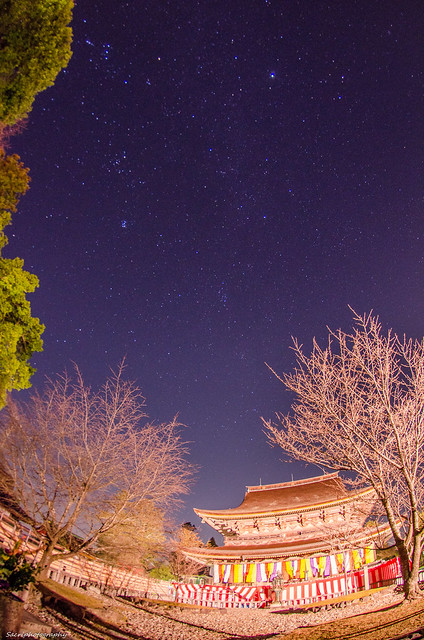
211,543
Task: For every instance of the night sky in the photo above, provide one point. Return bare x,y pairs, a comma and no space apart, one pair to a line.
208,180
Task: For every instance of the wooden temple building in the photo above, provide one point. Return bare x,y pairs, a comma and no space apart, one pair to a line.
295,530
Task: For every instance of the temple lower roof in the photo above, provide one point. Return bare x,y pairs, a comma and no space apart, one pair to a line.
293,548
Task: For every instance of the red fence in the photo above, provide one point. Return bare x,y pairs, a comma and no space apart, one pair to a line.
222,596
316,590
384,574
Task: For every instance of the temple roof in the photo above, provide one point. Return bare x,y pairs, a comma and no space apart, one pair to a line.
298,548
286,496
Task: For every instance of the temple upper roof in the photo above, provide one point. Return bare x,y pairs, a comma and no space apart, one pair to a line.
286,496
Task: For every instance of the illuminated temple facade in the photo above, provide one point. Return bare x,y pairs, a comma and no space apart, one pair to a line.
294,530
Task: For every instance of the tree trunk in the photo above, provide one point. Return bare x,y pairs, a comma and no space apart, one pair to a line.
411,587
11,612
413,590
46,560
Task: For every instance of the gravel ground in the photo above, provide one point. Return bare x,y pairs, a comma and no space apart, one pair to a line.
160,623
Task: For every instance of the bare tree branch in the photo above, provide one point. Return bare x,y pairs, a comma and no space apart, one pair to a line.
82,462
359,408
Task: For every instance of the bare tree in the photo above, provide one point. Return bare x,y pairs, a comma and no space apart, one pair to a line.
82,462
360,408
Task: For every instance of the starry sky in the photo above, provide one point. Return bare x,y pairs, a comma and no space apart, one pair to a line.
210,178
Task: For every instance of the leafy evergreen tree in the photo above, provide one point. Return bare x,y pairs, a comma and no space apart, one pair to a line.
14,182
35,44
20,333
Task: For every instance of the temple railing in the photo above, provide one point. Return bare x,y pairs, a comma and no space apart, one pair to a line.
83,570
291,594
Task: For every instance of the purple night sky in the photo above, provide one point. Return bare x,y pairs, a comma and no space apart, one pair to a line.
209,179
